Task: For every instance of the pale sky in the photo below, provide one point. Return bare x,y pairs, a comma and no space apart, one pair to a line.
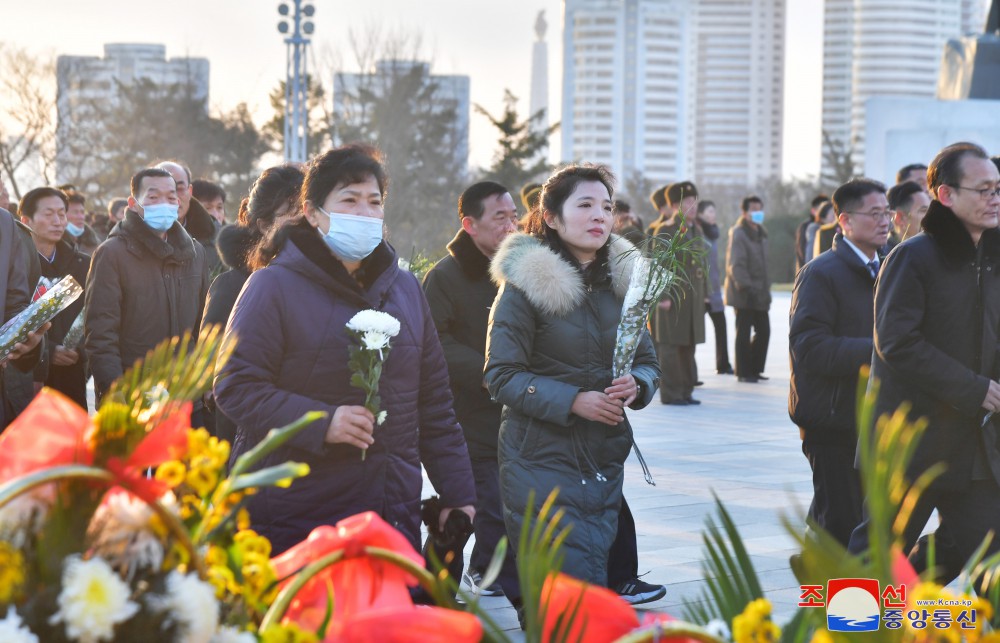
489,41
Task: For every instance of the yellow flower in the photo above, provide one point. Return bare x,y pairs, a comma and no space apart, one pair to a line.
821,636
258,575
251,543
197,442
223,580
171,473
11,572
190,506
216,556
202,480
754,625
289,633
243,519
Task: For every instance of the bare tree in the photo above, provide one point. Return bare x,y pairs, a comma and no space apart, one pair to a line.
27,117
838,156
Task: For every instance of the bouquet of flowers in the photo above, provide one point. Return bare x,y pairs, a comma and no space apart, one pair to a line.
74,335
54,300
373,330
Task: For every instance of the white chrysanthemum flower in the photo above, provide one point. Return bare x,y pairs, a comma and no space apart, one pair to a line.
122,533
227,634
374,340
382,415
92,601
374,321
12,629
25,515
718,628
191,604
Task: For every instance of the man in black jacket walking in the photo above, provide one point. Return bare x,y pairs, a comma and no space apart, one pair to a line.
829,340
460,294
937,316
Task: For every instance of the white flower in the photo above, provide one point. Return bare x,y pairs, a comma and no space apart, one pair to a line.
191,604
92,601
718,628
25,515
12,630
374,340
228,634
382,415
122,533
374,321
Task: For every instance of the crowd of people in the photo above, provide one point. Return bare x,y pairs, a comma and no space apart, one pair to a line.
499,383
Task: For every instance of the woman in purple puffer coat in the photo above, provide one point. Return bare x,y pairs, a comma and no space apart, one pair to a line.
314,273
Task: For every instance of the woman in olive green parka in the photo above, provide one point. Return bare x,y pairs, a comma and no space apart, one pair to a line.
548,361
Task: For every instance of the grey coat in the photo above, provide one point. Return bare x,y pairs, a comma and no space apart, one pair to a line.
747,284
552,335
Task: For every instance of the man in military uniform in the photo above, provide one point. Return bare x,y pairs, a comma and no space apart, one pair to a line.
678,321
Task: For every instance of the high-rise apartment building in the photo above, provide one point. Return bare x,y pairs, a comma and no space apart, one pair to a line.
83,81
627,96
675,89
882,48
739,90
449,93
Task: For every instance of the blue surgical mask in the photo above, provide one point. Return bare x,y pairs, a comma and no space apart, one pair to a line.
159,216
73,229
757,216
352,237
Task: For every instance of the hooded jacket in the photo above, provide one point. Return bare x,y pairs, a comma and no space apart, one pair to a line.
937,318
552,335
143,290
291,357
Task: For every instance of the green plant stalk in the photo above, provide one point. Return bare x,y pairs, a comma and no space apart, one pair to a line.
24,484
284,598
274,439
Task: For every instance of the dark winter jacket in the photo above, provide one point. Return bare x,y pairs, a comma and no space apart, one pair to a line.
937,316
291,358
552,335
800,243
142,290
86,243
747,284
202,227
460,292
235,242
711,232
829,339
19,273
71,380
684,323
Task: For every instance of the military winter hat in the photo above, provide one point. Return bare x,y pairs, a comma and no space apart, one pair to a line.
530,194
658,198
679,191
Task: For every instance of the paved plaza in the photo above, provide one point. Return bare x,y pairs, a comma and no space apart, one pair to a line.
740,445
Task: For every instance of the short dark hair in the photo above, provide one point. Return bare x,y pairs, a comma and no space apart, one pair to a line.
116,205
352,163
905,171
557,190
996,162
824,208
946,168
135,185
747,200
659,197
901,196
470,204
622,206
850,195
530,195
818,200
205,190
29,202
677,192
72,196
274,187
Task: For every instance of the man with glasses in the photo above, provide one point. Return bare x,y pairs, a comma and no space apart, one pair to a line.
829,340
937,330
192,215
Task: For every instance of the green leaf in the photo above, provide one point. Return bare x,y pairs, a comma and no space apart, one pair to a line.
275,439
269,477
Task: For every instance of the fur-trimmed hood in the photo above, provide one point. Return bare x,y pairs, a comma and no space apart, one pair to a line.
234,243
550,282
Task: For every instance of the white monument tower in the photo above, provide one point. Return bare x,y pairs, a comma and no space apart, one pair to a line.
540,75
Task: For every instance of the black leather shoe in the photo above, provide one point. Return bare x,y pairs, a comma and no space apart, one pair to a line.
726,371
753,379
699,383
677,403
693,401
762,377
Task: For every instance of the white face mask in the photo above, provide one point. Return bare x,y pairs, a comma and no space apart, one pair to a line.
352,237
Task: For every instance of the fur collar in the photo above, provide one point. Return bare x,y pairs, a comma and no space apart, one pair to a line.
199,223
474,263
235,243
944,226
550,282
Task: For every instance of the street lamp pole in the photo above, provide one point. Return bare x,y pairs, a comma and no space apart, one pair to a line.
296,85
